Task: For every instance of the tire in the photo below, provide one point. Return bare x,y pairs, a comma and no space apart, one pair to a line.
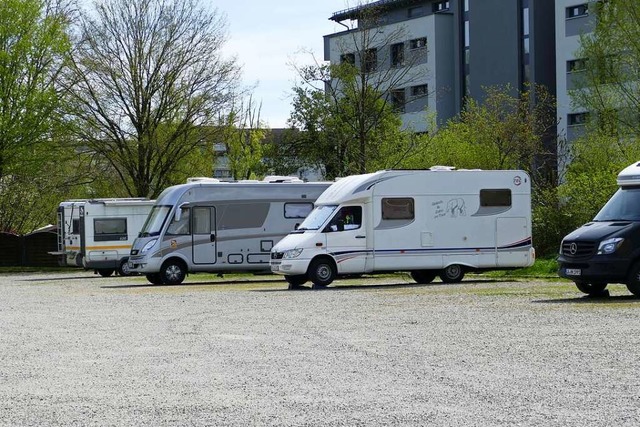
321,272
173,272
123,269
106,272
452,274
296,281
591,288
154,278
423,277
633,281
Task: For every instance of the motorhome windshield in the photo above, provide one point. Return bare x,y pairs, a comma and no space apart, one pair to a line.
155,221
623,206
317,217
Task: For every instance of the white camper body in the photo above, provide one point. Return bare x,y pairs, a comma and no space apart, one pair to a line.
222,227
98,233
438,222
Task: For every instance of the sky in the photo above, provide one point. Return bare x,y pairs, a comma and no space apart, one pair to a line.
267,36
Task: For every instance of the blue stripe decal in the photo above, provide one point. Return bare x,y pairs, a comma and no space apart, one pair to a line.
521,245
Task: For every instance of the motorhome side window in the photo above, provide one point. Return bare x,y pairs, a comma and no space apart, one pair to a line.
106,229
347,218
75,227
180,227
494,198
297,210
398,208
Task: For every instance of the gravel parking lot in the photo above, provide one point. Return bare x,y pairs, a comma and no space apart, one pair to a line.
78,349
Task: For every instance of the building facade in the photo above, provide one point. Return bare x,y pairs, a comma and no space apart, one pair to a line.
468,45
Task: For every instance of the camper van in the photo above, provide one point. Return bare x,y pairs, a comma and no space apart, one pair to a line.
607,249
437,222
224,227
97,233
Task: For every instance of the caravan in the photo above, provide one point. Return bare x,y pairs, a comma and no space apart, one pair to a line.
211,226
438,222
97,233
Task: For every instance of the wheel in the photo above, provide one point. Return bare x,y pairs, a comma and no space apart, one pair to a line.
296,281
123,269
173,272
452,274
321,272
591,288
154,278
633,281
423,276
106,272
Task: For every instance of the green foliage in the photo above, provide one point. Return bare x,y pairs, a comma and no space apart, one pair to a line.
33,43
608,86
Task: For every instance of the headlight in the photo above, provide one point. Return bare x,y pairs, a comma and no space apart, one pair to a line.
292,253
148,246
609,246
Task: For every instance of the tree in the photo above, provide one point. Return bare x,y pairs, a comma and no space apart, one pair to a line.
243,134
610,67
33,44
347,112
148,81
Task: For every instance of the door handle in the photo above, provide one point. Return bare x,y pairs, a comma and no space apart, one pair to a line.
361,237
213,237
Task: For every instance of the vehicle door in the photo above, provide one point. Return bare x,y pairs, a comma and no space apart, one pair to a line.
347,239
204,235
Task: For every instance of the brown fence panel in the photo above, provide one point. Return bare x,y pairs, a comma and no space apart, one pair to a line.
10,250
36,249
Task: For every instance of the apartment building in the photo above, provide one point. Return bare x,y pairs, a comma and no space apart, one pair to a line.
463,46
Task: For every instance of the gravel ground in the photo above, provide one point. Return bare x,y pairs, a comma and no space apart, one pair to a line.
78,349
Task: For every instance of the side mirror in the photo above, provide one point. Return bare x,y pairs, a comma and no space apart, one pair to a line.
178,214
295,227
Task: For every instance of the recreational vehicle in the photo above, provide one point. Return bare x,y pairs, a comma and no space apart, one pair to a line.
224,227
97,233
607,249
438,222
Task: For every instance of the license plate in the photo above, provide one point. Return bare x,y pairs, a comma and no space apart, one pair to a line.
275,267
573,272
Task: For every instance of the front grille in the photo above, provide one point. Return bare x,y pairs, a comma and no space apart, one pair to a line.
277,255
579,249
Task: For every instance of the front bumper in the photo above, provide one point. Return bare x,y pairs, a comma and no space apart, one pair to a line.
289,267
602,269
144,265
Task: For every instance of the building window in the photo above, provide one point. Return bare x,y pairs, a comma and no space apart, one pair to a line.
576,119
440,6
370,62
348,58
575,65
398,100
418,43
497,197
414,12
420,90
397,55
398,208
577,11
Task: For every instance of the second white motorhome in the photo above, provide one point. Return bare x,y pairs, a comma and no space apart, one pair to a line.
97,233
224,227
439,222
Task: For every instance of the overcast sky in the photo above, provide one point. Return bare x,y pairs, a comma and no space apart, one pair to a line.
266,36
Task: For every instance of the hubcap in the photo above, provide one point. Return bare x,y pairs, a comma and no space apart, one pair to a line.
324,272
453,271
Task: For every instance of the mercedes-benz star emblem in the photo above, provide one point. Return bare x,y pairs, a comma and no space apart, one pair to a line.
573,248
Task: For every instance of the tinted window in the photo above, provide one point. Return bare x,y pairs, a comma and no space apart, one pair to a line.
106,229
500,197
297,210
397,208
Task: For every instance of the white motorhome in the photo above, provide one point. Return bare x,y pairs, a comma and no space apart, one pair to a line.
211,226
97,233
438,222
